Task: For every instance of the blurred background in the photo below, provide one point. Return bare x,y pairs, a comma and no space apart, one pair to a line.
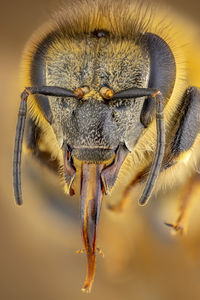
38,241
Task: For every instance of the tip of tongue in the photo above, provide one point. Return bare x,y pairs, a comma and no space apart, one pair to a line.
91,264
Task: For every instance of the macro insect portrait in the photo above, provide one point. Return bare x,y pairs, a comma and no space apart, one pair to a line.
110,103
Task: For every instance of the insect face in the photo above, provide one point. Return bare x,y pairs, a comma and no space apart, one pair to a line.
92,126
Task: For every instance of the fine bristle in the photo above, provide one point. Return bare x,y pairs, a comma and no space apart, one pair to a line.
120,17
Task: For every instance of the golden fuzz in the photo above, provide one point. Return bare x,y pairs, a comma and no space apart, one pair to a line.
123,18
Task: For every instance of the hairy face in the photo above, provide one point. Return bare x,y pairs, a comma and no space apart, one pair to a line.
91,126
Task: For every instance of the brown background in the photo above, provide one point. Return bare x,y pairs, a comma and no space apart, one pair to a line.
38,241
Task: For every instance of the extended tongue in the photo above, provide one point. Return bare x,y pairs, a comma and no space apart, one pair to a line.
91,198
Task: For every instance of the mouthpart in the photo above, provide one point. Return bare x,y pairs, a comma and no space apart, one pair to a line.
97,179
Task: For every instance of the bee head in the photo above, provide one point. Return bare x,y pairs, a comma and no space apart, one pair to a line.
98,91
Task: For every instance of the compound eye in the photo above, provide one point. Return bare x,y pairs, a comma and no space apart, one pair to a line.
106,93
81,91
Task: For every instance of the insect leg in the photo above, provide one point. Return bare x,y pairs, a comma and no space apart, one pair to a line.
189,124
186,198
32,137
119,207
188,127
